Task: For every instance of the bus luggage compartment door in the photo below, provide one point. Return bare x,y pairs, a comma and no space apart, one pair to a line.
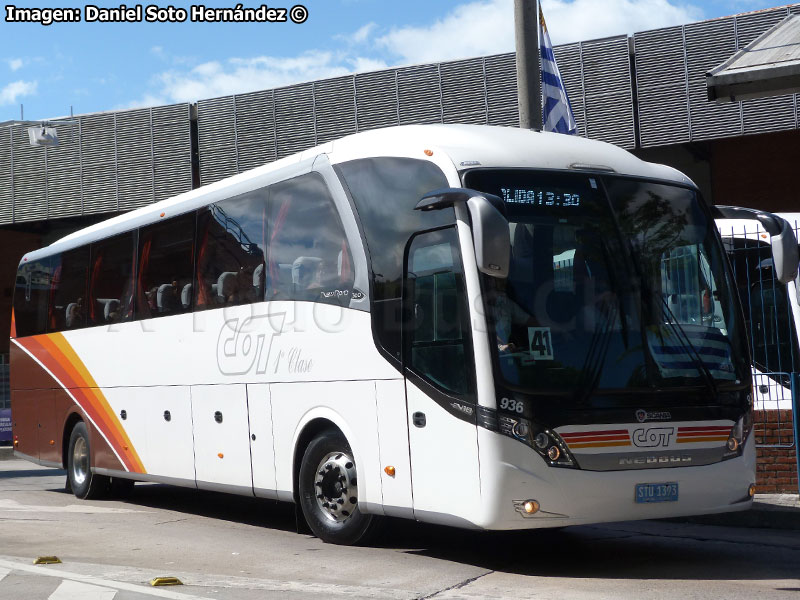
221,436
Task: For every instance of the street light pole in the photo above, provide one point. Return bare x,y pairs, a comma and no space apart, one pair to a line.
529,78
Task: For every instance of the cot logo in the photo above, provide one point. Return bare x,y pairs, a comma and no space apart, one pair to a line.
244,343
653,437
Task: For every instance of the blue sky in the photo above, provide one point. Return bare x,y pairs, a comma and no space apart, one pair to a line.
108,66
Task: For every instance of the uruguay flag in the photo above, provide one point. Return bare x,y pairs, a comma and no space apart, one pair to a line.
556,111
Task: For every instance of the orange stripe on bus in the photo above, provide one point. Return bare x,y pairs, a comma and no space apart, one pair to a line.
598,444
59,357
577,434
91,388
599,438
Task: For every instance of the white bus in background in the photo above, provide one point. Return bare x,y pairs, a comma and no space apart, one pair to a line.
771,308
463,325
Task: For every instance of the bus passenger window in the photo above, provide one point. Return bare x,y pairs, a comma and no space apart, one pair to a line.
111,280
30,297
439,347
67,305
308,255
231,238
165,266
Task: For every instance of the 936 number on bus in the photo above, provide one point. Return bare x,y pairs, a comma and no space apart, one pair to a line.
512,405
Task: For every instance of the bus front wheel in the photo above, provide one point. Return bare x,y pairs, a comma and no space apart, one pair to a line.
85,484
328,488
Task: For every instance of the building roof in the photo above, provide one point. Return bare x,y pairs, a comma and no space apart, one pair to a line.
768,66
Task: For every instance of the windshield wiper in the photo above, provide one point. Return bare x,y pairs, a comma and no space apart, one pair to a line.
697,360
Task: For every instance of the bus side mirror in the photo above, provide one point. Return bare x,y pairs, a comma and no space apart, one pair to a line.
785,255
490,233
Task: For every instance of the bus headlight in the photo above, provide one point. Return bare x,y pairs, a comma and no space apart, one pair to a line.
547,444
738,436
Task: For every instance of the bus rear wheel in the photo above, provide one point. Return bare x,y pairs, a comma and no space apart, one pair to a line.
84,484
328,488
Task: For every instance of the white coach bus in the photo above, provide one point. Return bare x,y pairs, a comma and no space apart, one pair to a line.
771,308
465,325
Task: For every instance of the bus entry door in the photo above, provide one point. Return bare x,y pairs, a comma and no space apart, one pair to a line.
438,365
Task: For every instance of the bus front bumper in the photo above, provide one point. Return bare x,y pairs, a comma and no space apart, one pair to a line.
513,474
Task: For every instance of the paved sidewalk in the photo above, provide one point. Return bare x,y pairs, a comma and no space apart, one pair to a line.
770,511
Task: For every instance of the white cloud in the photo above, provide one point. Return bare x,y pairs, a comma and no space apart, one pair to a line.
487,26
241,75
15,63
575,20
16,89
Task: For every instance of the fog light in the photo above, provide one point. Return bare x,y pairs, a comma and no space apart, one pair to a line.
733,444
531,506
751,491
553,453
542,440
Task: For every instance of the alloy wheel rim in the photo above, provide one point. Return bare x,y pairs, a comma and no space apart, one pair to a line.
80,461
335,487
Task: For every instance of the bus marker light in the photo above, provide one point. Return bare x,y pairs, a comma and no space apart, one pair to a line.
52,442
428,152
751,491
389,470
221,455
47,560
162,214
531,506
733,444
165,581
553,453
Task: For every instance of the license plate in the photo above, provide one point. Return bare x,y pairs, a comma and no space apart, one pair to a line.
656,492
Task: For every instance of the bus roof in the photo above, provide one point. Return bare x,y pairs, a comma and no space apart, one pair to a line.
466,146
752,229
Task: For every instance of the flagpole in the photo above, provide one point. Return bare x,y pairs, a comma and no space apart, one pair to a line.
529,78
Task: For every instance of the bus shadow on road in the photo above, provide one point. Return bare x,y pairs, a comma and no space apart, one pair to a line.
647,550
214,505
656,551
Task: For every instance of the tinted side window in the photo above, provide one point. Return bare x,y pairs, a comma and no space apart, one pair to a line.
439,344
67,306
385,192
111,280
30,297
309,258
165,267
231,240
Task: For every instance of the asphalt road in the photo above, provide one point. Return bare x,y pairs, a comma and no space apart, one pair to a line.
227,547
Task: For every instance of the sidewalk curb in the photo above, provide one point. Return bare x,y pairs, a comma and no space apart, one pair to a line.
771,511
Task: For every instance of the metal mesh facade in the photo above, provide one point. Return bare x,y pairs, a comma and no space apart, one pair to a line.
479,90
104,163
121,160
671,66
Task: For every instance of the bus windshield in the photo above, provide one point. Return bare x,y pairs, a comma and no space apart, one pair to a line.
616,286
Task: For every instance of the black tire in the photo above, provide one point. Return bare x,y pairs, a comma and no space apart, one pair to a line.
84,484
328,487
